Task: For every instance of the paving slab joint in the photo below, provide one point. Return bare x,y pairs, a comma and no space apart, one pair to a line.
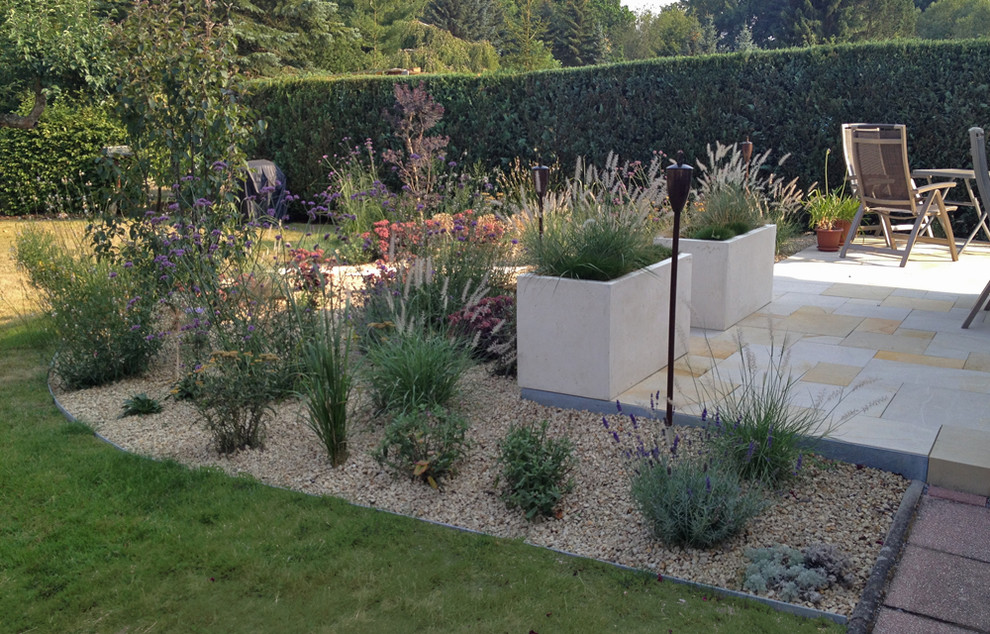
869,602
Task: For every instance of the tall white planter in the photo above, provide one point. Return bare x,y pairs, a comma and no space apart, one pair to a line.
730,279
598,339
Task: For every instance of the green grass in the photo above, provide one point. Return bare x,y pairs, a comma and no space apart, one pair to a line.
96,540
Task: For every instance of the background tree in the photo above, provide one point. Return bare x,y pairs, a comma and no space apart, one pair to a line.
177,95
48,46
471,20
672,31
955,19
884,20
275,36
380,25
525,46
576,39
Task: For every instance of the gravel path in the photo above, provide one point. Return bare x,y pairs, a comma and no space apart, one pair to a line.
830,503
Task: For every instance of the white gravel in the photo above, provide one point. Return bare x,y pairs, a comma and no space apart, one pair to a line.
830,503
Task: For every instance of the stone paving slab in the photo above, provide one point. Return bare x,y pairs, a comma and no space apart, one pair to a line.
942,586
897,622
957,496
951,527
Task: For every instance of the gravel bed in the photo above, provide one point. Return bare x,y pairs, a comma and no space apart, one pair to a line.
832,503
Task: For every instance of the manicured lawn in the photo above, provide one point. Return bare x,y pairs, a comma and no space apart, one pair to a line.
93,539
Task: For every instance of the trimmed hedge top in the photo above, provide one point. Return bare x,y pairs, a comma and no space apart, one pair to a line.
792,101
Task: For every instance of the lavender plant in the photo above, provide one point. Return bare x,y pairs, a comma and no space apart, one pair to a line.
689,498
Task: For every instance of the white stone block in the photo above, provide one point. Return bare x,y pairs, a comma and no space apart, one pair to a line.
730,279
598,339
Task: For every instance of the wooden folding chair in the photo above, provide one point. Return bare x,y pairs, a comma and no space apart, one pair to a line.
885,187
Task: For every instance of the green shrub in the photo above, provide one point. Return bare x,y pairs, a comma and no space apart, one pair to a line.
236,398
424,443
100,315
53,168
415,368
692,502
140,405
794,575
535,469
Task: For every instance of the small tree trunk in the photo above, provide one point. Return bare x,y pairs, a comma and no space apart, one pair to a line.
8,120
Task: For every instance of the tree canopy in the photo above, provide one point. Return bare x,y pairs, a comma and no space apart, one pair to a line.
49,46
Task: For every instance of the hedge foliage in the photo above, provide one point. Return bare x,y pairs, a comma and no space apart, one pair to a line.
55,159
791,101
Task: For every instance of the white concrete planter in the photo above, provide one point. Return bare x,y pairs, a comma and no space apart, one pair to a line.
598,339
730,279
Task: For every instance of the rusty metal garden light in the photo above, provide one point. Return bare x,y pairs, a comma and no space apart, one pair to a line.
678,188
541,179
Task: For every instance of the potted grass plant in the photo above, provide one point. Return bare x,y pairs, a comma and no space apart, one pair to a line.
731,229
592,312
830,215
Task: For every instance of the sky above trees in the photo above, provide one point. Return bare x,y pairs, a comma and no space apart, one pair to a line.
639,5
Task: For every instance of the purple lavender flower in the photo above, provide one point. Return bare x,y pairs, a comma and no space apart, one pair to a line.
749,452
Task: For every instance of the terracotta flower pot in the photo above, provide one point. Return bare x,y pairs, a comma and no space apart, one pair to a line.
829,239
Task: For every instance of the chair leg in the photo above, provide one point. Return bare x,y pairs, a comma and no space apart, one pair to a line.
853,230
943,218
915,230
980,303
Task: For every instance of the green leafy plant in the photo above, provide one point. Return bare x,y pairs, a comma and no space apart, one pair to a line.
236,398
424,443
826,208
535,469
327,384
100,317
141,405
414,368
794,575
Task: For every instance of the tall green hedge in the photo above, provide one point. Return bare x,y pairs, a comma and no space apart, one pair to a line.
55,160
792,101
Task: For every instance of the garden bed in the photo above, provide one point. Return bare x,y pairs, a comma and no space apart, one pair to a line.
828,502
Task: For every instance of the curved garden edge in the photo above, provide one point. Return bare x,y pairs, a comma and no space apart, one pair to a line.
861,616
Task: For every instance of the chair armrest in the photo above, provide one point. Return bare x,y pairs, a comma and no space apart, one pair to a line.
933,186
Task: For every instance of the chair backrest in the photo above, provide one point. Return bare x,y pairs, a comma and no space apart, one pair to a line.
883,177
978,148
847,129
